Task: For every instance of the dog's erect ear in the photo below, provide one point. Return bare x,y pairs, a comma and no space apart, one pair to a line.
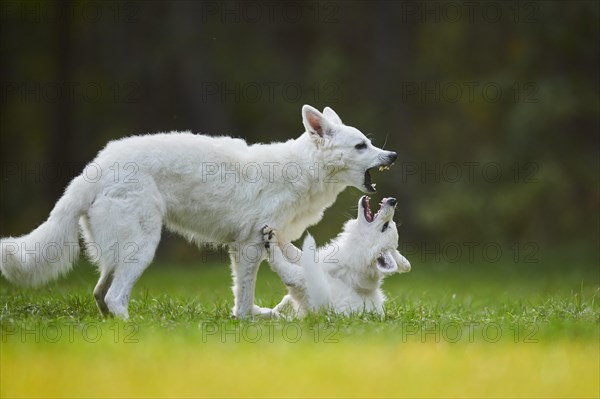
332,116
314,121
403,263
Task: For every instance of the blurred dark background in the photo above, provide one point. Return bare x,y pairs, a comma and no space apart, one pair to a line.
493,107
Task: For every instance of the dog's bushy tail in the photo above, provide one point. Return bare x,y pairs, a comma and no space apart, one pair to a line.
317,288
48,251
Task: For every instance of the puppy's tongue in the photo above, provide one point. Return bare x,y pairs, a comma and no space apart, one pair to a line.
367,208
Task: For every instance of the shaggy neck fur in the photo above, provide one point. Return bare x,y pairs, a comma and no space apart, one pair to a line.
315,189
356,268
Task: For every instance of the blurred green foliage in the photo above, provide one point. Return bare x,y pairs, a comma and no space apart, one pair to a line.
495,116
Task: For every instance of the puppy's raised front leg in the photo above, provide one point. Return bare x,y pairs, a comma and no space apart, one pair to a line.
290,252
289,272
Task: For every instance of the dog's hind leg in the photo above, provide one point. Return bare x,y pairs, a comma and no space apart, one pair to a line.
100,292
134,258
94,256
124,231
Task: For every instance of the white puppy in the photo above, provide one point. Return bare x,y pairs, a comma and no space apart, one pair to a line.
346,275
216,190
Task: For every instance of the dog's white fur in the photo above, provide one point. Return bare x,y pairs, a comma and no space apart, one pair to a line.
346,275
216,190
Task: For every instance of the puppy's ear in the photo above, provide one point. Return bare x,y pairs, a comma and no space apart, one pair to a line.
386,263
403,263
332,116
314,121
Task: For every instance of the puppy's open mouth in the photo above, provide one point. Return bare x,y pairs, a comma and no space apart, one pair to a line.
369,185
366,204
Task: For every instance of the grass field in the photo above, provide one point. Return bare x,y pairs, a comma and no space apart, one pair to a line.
450,330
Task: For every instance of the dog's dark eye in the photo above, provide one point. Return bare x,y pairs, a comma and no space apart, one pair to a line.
385,226
361,146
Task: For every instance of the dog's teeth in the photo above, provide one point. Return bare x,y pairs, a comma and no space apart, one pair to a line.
381,168
373,185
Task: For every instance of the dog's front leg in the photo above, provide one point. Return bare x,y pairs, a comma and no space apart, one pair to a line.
245,260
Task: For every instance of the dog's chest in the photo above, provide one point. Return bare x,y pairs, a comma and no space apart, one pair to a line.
304,213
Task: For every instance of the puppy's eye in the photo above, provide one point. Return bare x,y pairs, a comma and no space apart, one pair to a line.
385,226
361,146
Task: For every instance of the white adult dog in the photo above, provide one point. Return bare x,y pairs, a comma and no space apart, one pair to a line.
346,275
216,190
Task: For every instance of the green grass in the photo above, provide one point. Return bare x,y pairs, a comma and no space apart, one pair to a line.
450,330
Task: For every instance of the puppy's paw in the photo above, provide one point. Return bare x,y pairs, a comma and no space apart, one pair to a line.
269,236
266,313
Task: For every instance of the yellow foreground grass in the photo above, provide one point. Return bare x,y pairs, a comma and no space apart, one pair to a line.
178,367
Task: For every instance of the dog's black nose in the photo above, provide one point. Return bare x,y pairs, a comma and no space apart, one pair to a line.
392,201
392,157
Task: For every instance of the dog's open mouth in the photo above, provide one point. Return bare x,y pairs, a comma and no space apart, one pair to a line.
366,204
369,185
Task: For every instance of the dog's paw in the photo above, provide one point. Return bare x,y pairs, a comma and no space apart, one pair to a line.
269,236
